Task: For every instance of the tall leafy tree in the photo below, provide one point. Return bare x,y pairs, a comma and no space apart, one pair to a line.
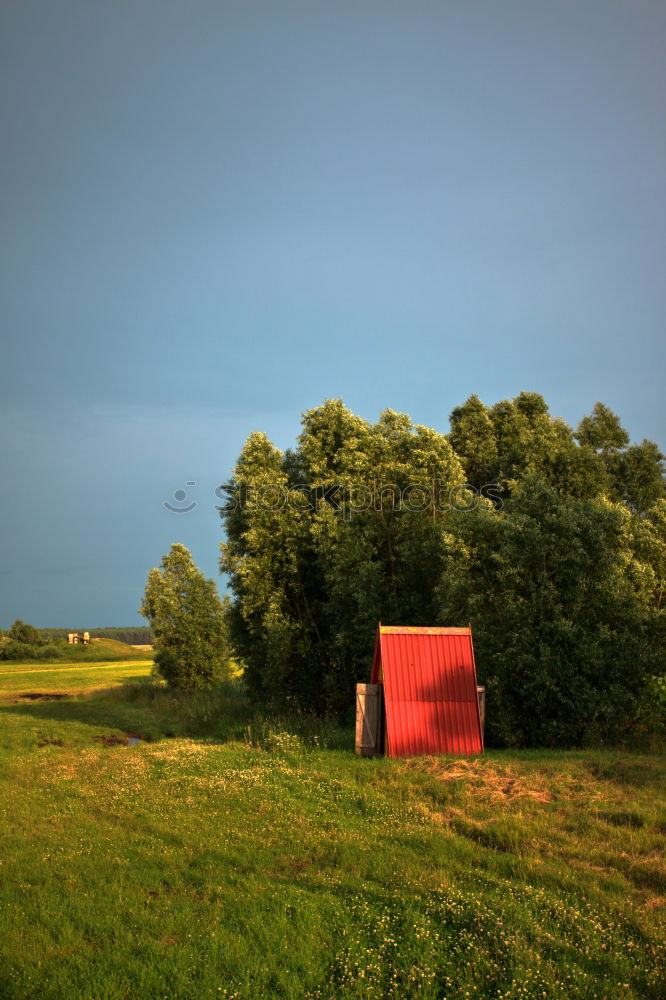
637,476
558,622
502,443
380,552
634,473
188,622
22,632
602,431
325,540
647,570
271,576
472,437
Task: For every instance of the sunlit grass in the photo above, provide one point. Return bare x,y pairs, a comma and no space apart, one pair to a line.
69,676
247,857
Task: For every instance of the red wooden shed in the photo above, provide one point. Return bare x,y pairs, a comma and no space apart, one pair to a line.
430,692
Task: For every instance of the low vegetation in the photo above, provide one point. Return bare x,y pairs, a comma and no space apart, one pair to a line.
228,854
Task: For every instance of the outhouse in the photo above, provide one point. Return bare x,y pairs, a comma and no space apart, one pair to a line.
423,696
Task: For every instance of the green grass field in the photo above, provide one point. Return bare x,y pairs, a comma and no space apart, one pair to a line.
241,857
72,678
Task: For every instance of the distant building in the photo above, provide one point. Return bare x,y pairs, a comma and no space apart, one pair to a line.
73,638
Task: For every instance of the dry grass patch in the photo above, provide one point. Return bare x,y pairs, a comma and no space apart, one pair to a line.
485,779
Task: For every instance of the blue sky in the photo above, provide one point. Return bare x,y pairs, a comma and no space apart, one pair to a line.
216,214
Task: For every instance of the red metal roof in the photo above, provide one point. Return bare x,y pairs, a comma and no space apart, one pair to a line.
430,694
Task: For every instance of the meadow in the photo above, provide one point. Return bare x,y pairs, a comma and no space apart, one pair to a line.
227,854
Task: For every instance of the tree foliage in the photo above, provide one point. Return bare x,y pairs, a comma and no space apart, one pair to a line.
25,642
554,551
324,541
188,621
22,632
559,625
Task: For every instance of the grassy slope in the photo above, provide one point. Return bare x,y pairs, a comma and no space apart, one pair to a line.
240,860
116,646
109,649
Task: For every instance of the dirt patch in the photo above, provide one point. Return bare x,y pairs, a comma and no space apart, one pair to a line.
45,695
50,743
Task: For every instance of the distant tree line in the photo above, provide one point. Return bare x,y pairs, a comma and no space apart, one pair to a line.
133,635
550,541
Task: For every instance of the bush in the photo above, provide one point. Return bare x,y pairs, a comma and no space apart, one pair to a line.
28,652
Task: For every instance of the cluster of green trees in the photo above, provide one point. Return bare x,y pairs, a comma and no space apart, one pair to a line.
24,642
552,542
